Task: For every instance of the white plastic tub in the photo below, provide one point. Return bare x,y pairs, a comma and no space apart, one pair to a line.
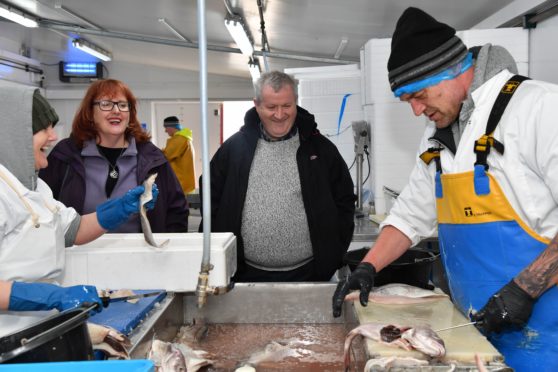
118,261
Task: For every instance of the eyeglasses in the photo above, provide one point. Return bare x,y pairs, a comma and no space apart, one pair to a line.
109,105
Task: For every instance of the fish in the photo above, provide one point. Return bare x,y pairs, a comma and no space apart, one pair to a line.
420,338
386,363
425,340
195,359
245,368
398,294
176,357
193,333
108,340
166,357
372,331
145,226
273,352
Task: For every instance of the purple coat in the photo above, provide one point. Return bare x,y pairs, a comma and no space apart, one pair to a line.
65,175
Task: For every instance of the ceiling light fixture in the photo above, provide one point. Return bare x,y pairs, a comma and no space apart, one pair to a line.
254,66
239,32
92,49
342,45
174,30
18,16
73,14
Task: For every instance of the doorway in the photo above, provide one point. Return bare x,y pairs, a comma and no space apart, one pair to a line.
189,115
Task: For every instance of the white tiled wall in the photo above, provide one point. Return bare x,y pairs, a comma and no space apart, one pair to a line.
321,91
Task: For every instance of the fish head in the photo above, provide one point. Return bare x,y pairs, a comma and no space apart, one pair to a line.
159,351
160,347
174,361
425,340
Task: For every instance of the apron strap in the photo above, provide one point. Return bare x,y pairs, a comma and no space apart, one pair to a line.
433,153
34,216
487,140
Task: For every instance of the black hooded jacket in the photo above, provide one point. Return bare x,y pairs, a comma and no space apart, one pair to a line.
327,190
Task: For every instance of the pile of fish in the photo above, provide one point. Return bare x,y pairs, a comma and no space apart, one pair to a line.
420,338
181,356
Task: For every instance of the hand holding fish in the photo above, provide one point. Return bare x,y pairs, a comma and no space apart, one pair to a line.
147,201
115,212
362,278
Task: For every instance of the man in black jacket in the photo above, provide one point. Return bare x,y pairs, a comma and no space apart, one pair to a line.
283,189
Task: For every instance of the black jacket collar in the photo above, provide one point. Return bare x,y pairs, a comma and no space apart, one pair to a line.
444,136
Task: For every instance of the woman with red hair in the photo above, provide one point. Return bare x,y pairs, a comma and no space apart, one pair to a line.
106,154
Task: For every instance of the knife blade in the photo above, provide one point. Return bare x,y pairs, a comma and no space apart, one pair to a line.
106,299
455,326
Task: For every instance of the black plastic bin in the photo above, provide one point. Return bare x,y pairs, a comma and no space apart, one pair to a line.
62,337
414,267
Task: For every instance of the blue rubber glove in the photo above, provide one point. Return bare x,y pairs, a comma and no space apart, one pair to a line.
44,296
154,193
115,212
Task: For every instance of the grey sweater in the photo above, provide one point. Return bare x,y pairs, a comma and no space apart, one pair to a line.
274,224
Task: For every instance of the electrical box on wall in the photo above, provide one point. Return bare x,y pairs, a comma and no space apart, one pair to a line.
80,72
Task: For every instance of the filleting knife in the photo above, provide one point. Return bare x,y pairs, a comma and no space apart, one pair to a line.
455,326
106,299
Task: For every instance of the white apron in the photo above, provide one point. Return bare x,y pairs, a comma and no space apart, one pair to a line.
33,251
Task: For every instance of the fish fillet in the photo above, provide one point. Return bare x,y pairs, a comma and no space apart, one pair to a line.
386,363
398,294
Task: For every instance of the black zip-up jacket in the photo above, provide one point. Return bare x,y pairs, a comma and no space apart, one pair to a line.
327,190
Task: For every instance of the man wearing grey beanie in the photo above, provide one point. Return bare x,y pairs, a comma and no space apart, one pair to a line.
486,182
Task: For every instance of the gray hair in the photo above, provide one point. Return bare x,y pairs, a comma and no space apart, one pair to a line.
276,80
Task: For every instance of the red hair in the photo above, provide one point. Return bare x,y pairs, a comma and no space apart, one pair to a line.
84,127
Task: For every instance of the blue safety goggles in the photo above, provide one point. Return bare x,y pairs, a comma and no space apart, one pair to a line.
447,74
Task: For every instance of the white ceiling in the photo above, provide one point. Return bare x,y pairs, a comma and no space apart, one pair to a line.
306,28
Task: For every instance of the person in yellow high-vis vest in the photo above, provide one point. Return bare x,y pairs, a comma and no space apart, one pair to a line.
487,179
179,151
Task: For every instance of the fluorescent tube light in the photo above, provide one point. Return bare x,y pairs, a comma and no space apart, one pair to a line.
76,16
342,45
92,49
18,16
254,66
174,30
239,33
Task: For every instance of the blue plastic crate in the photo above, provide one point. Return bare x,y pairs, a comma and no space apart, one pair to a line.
136,365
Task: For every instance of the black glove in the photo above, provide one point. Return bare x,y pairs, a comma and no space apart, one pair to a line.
361,278
510,307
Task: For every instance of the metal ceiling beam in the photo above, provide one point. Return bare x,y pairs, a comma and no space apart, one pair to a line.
537,14
185,44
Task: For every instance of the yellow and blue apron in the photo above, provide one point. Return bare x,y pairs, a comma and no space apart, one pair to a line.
484,244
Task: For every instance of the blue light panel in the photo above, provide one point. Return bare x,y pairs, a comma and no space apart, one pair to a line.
80,69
